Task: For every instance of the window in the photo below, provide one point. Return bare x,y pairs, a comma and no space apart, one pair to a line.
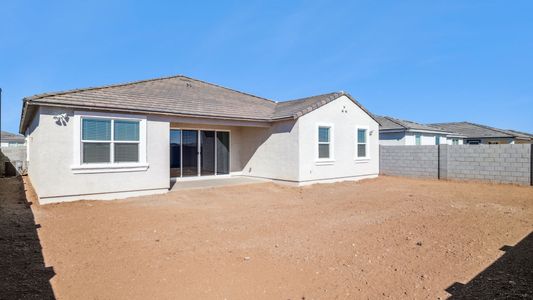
324,142
418,139
109,140
437,140
362,143
455,141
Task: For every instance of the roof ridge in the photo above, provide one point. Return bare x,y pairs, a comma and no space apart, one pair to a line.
395,121
319,95
226,88
44,95
488,127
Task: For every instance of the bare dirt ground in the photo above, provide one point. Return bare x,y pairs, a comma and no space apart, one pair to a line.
382,238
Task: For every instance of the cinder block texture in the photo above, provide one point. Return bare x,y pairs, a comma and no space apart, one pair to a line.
12,155
509,163
414,161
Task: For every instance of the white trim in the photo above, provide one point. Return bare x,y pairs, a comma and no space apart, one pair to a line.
106,168
331,159
78,167
367,142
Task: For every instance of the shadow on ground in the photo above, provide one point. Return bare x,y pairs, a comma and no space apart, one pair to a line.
23,273
509,277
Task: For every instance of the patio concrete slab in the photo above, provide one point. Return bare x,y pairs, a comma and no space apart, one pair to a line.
215,182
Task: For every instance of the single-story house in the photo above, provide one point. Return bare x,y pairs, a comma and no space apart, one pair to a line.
129,139
8,139
482,134
393,131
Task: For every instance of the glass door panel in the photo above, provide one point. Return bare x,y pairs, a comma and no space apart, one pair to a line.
207,153
189,153
222,152
175,153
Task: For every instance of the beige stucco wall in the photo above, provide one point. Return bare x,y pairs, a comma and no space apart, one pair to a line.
51,157
345,164
285,150
271,152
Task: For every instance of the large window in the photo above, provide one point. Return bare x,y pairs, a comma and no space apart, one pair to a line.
109,140
324,142
362,143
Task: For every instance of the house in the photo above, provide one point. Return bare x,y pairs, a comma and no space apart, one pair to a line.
393,131
129,139
482,134
8,139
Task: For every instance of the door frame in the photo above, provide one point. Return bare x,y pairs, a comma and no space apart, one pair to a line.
199,176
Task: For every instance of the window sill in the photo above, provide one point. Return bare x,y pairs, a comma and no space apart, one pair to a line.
362,159
324,162
109,168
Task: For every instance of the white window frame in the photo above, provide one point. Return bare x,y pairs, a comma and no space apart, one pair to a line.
79,167
331,157
367,148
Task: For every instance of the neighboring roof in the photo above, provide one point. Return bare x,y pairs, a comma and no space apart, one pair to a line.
389,123
520,133
181,95
11,137
472,130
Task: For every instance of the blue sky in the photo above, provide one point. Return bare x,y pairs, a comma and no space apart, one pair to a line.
426,61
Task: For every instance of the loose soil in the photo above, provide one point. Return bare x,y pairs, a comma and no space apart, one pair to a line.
382,238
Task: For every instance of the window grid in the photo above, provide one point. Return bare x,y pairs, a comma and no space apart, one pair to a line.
324,152
111,141
362,143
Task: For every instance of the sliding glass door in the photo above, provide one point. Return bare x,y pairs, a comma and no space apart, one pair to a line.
222,152
189,152
175,153
207,153
199,153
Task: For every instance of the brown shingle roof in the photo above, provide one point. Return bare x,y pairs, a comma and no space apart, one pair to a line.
181,95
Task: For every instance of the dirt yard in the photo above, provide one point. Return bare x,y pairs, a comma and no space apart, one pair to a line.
382,238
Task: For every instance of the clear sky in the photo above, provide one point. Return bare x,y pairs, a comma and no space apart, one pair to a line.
426,61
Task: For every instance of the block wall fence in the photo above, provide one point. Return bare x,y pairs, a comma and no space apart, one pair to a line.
511,163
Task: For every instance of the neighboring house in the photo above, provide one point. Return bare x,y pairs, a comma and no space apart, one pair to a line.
129,139
8,139
482,134
393,131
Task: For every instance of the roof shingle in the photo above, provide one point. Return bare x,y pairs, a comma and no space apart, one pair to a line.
182,95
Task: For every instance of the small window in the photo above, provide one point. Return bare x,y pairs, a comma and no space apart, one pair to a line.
361,143
455,141
437,140
418,139
109,141
324,142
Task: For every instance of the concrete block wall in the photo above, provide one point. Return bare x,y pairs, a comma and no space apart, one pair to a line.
510,163
415,161
13,155
495,163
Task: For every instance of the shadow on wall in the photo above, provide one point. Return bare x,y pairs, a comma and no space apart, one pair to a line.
509,277
10,168
23,274
254,138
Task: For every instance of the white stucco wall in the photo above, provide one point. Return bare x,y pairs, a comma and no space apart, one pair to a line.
271,152
392,138
345,116
409,138
52,156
